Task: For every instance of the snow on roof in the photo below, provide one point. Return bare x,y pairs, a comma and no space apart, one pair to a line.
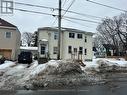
45,40
29,48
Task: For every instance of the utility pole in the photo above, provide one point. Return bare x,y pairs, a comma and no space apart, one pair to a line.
59,30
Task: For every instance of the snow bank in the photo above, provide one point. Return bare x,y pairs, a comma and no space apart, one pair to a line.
7,64
103,64
56,73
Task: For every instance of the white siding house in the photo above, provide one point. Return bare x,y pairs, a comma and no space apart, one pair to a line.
73,43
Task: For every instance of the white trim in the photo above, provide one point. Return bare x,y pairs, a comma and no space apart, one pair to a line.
6,36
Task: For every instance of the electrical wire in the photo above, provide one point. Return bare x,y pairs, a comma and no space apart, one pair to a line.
76,22
107,6
68,7
81,19
29,11
82,14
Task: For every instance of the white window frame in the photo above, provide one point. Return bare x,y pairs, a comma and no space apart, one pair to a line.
6,35
55,50
79,36
42,45
56,34
85,51
70,36
85,39
80,50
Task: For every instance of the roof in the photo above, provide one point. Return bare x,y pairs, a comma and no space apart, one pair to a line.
6,24
29,48
65,29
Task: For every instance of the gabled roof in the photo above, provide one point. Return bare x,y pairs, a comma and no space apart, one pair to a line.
6,24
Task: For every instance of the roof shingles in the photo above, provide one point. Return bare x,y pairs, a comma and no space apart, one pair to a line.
6,24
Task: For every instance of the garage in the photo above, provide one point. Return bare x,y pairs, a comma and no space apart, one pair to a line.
6,53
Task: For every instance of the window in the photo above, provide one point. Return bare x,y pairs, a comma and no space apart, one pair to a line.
8,34
43,48
80,50
55,35
85,39
85,51
75,50
69,49
7,6
71,35
79,36
55,50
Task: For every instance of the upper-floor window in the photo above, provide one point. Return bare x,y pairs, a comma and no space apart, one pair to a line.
71,35
79,36
55,50
80,50
8,34
69,49
85,39
55,35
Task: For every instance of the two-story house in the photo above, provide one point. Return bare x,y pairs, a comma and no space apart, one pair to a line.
74,43
9,40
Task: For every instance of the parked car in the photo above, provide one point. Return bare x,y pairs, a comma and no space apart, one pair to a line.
25,57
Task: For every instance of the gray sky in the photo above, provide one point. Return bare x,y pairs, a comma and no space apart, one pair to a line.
29,22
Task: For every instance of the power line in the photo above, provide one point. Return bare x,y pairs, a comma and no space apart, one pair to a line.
29,11
54,22
69,7
64,2
106,6
76,22
81,19
82,14
34,5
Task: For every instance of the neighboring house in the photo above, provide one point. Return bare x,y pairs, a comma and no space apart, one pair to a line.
9,40
99,52
73,43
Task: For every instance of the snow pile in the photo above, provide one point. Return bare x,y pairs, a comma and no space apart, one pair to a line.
56,73
7,64
106,65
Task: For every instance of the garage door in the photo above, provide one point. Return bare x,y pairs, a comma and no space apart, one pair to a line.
6,53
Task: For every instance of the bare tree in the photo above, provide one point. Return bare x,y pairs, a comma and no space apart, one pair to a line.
114,32
27,38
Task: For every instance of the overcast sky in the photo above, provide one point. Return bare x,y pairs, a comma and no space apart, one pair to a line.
29,22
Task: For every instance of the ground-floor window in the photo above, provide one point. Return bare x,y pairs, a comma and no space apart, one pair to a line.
69,49
85,51
75,50
80,50
55,50
43,48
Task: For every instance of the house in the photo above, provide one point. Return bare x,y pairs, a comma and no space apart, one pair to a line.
75,43
9,40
